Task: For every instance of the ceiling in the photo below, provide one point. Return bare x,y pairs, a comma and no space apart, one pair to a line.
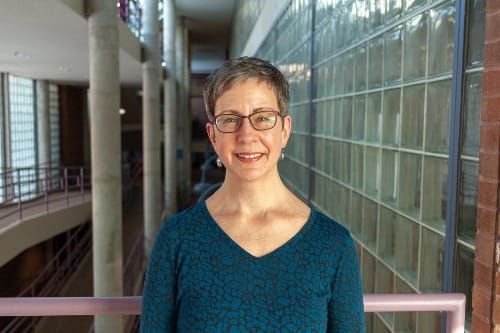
49,39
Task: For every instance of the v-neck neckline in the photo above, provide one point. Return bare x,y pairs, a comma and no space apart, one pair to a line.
283,247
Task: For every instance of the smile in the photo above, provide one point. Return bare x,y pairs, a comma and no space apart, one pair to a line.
249,156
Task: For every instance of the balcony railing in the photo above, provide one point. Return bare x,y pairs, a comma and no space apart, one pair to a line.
44,188
25,188
452,304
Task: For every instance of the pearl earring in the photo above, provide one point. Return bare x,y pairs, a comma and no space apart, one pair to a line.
218,162
282,156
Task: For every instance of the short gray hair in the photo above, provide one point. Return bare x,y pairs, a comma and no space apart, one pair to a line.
240,69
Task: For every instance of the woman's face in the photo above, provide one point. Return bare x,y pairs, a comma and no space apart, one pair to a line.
249,154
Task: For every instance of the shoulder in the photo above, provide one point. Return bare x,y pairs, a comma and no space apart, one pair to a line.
330,228
182,224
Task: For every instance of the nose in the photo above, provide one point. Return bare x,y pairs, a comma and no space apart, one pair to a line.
246,130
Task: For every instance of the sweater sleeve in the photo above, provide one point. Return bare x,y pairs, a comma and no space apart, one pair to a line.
345,309
159,294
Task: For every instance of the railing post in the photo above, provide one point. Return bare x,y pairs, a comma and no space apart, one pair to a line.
82,183
66,186
455,319
48,181
20,202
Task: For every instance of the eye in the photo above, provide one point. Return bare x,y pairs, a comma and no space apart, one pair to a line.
263,117
229,119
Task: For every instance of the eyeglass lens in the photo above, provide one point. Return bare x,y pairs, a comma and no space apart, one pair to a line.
261,121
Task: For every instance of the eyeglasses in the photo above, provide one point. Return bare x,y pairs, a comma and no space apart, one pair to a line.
261,121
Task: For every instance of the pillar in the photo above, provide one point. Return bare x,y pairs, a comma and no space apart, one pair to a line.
187,115
486,290
181,111
170,109
104,102
151,124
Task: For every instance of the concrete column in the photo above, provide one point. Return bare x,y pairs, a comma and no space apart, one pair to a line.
187,113
151,123
181,111
104,102
43,122
170,118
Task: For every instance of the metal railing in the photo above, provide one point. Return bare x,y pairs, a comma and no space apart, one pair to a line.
24,188
73,182
54,275
452,304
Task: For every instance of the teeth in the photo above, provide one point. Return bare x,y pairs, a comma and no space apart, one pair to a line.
249,155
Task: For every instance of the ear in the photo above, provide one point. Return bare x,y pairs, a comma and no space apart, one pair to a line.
285,132
210,132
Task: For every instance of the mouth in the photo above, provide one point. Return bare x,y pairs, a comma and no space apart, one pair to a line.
249,157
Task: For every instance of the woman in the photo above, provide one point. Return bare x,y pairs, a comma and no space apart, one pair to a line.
253,257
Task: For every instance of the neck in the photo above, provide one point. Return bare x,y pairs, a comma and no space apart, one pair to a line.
250,197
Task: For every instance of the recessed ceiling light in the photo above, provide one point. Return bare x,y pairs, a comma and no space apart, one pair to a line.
22,55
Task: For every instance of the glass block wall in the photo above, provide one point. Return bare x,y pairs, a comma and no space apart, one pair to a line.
55,153
245,15
371,90
22,134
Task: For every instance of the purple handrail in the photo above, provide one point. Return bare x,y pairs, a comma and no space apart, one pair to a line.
453,304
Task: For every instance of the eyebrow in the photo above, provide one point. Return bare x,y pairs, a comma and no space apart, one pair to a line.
260,109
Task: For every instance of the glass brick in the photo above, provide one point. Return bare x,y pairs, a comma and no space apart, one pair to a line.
370,223
345,162
410,173
379,326
360,66
376,16
407,245
464,278
391,117
393,53
410,5
368,272
375,62
472,114
357,166
476,12
358,118
373,115
438,117
372,166
337,117
389,182
319,153
429,322
356,215
442,26
385,285
413,116
387,236
415,47
435,189
431,256
467,201
348,74
346,117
